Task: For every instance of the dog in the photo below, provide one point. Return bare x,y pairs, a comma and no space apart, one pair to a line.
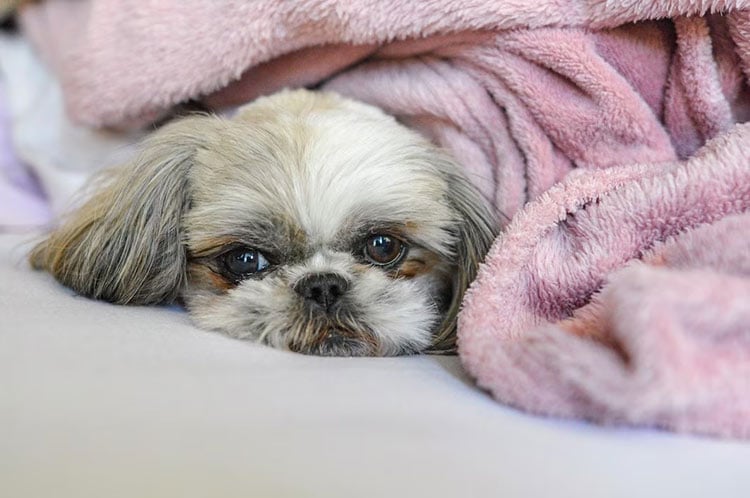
307,221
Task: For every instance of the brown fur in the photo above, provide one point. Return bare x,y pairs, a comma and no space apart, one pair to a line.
203,277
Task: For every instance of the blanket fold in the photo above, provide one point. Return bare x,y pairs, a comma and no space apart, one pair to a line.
584,123
520,94
624,301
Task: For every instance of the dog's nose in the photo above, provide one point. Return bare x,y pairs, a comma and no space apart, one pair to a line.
322,290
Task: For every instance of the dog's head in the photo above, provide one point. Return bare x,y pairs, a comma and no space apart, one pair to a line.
308,222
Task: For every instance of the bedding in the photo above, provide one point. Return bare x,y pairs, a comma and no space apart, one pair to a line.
22,201
101,400
44,157
600,132
98,400
643,317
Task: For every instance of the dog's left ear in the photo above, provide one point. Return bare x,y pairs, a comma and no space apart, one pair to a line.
124,245
476,230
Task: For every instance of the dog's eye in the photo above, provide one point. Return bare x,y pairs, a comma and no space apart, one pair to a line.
382,250
244,261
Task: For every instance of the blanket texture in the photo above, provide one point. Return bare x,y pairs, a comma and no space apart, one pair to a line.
623,296
614,99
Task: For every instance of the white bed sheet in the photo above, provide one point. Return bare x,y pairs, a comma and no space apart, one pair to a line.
106,401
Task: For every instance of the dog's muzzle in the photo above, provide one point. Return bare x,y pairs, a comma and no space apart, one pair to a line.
322,291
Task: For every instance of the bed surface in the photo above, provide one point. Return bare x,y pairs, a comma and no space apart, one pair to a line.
106,401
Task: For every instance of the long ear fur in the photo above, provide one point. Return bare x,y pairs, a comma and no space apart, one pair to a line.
124,244
477,229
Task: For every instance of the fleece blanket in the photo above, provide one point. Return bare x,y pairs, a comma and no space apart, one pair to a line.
623,296
44,157
618,296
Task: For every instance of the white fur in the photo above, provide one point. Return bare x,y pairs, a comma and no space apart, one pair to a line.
303,177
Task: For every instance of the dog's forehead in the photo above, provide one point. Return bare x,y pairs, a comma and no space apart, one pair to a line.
324,172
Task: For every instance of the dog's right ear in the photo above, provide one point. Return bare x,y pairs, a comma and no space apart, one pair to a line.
475,233
124,245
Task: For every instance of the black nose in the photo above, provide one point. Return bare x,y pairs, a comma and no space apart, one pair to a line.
322,290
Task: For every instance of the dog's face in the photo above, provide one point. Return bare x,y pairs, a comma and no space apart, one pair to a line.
308,222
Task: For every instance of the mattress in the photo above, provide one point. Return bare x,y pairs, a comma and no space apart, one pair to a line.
98,400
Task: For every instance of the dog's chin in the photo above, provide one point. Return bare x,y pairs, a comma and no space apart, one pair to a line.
321,334
341,332
330,341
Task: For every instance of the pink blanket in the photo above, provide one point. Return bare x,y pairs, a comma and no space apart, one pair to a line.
610,95
623,296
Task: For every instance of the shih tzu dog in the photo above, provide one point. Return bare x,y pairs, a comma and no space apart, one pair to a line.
308,222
